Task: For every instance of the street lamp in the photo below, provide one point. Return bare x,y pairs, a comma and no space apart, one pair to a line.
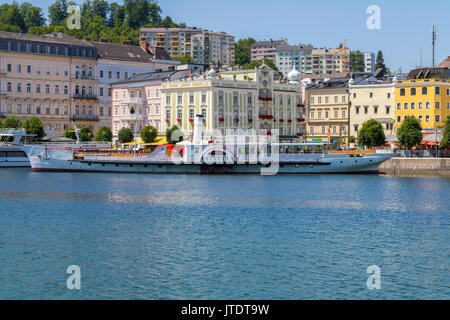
135,129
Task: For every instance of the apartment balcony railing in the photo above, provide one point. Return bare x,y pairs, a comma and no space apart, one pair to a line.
85,117
85,77
134,100
85,96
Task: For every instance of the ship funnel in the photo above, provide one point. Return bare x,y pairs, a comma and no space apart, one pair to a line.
197,135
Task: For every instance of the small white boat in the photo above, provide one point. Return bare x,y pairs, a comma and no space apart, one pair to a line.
256,154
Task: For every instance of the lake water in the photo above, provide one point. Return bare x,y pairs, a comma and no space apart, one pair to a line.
223,237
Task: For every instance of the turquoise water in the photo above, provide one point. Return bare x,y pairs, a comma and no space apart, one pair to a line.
223,237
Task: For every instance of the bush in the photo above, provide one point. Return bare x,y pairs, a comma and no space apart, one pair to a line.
445,142
104,134
371,134
174,135
125,135
70,134
85,133
149,134
34,126
351,139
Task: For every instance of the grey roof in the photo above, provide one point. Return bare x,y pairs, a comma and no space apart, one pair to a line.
269,42
286,47
331,83
56,37
115,51
157,75
427,73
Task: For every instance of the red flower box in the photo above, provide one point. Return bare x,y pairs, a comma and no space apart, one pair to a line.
236,120
300,119
179,119
281,120
250,120
301,105
167,120
289,120
265,99
221,119
299,134
274,120
191,120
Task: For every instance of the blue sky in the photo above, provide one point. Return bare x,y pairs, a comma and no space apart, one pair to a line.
405,24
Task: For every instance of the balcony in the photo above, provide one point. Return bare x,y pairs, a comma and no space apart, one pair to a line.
85,117
85,96
134,100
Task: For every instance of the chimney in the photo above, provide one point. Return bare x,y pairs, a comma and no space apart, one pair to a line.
87,38
125,42
103,40
144,45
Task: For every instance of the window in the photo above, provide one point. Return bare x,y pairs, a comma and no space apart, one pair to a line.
47,70
204,98
402,91
448,105
101,91
371,95
420,105
448,91
109,74
424,90
235,98
336,98
399,106
312,100
101,73
19,87
28,68
312,115
191,113
157,93
180,98
343,99
28,87
437,118
38,88
19,68
9,67
437,105
157,108
389,95
323,129
343,113
413,105
334,129
167,99
366,109
336,113
220,98
405,105
427,118
47,88
57,71
66,90
38,69
355,127
38,109
388,109
319,100
29,108
375,109
191,98
437,90
56,89
180,114
118,75
326,99
319,114
428,105
413,91
326,115
420,118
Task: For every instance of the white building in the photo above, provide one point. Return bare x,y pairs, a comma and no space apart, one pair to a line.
369,61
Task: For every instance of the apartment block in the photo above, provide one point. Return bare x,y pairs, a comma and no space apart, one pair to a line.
204,46
369,61
329,61
266,49
299,56
52,77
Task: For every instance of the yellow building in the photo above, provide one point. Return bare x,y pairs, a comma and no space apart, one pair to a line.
425,95
328,111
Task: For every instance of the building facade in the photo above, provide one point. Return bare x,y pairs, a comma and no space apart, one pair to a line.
52,77
298,56
266,49
235,102
202,45
424,95
369,61
372,99
329,61
328,111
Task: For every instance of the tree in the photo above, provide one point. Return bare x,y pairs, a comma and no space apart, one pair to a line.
380,61
11,15
57,12
34,126
445,142
174,135
125,135
12,122
103,134
351,139
34,18
141,12
149,134
85,133
184,59
371,134
410,133
356,61
1,123
258,63
243,51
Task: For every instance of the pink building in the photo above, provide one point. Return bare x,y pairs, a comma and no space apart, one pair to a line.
266,49
136,102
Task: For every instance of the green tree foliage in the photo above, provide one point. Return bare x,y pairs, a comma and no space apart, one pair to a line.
85,133
445,142
243,51
410,133
258,63
15,18
174,135
141,12
12,122
149,134
34,126
57,12
351,139
125,135
185,58
1,123
371,134
380,61
356,61
103,134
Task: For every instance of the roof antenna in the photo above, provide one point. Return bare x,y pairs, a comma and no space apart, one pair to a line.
433,40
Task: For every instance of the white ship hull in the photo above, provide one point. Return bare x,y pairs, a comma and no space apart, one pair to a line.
62,160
